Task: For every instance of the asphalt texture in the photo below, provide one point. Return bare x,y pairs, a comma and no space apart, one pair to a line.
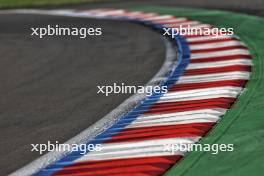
48,87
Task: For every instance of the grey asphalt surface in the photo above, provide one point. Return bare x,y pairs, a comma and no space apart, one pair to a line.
48,86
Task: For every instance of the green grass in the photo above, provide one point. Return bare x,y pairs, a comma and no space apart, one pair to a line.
243,125
32,3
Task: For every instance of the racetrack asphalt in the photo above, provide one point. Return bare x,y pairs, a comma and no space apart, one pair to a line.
48,86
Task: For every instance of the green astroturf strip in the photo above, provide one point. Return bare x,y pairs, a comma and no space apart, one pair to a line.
243,125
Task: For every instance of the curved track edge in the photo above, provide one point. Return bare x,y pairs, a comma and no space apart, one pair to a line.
210,74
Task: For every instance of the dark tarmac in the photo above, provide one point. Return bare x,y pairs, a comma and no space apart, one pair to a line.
49,86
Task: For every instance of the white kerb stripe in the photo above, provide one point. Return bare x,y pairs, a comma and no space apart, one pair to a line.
136,149
245,62
220,53
171,123
216,45
207,37
214,77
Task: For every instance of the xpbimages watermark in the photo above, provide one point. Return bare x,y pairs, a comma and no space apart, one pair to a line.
189,30
50,147
188,147
127,89
57,30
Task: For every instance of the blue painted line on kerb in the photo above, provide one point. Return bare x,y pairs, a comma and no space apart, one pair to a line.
183,61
